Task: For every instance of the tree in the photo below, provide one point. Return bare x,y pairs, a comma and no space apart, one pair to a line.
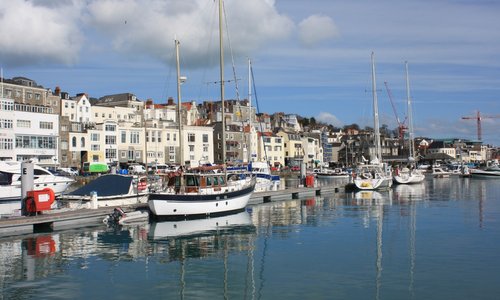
305,122
312,121
385,130
352,126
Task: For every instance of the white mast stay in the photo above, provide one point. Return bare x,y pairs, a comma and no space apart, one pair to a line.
378,151
221,67
411,146
179,104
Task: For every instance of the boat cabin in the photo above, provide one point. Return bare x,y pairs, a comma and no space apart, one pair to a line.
193,182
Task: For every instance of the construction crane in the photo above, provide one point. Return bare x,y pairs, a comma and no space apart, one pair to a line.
402,128
478,117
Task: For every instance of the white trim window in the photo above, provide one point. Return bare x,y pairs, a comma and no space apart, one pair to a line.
110,140
5,123
135,137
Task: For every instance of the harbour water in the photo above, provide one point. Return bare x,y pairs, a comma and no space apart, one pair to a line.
436,240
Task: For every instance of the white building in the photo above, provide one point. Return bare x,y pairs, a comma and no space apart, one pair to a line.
198,145
252,143
162,135
313,152
271,149
77,109
124,144
288,122
28,132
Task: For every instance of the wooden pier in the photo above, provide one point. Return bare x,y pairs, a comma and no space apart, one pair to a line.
293,193
67,219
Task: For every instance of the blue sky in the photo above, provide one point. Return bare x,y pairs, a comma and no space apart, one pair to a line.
309,57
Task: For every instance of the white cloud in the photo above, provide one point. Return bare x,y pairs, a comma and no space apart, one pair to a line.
317,28
53,31
329,118
149,27
35,33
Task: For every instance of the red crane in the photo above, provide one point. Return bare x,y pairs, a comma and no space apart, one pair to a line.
402,128
478,117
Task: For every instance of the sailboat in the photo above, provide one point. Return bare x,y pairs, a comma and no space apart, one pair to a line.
205,190
409,174
374,175
265,181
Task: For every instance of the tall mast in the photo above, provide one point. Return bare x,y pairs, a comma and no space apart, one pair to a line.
221,58
1,82
179,103
411,146
250,82
378,151
250,114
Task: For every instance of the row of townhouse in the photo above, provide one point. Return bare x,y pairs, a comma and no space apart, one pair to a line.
358,147
456,149
52,128
252,136
121,129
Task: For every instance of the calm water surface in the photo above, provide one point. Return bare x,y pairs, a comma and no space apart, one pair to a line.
437,240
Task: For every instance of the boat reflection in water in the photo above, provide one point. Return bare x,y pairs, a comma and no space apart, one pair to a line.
217,238
209,226
409,192
369,197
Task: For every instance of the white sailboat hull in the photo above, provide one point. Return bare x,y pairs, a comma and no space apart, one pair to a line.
407,177
372,177
373,184
265,185
192,205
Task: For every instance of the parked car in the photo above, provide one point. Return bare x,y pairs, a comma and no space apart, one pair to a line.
70,171
158,169
136,169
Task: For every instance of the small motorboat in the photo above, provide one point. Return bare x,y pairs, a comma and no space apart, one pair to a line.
485,173
120,217
438,172
329,173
